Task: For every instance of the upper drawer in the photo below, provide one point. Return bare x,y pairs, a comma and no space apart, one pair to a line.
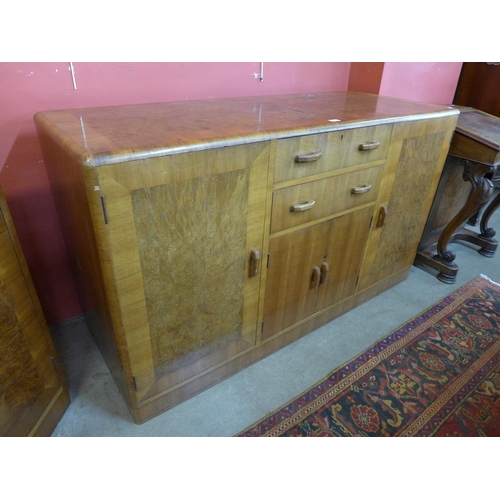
299,157
309,201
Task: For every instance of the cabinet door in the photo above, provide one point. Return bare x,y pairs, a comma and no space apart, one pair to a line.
313,268
180,239
33,396
414,163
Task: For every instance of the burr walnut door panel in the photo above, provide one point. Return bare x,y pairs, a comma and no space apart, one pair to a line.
183,238
313,268
32,395
413,168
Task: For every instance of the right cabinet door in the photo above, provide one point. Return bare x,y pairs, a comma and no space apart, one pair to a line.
414,163
313,268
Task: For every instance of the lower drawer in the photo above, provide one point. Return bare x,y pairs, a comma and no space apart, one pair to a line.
306,202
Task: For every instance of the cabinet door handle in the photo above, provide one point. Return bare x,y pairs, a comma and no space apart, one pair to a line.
254,263
308,158
361,190
315,277
324,272
367,146
302,207
382,215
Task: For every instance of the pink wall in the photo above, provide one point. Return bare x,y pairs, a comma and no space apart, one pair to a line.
433,82
366,77
26,88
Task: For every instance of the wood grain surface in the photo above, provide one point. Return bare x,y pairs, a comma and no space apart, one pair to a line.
120,133
33,394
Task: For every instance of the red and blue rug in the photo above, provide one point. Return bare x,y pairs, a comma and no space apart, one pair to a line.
437,375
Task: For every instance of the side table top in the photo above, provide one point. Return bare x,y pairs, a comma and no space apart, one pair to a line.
477,137
480,126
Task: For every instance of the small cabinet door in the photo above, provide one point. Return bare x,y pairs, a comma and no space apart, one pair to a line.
313,268
33,395
181,244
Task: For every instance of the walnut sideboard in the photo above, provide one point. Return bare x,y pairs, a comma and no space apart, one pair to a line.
33,391
206,235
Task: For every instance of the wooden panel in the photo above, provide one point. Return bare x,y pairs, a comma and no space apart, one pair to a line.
292,258
338,150
477,137
346,244
21,383
177,263
193,264
330,195
70,181
416,160
289,297
29,383
469,148
478,87
120,133
414,174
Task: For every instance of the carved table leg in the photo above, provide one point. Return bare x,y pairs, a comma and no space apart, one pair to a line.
487,232
482,189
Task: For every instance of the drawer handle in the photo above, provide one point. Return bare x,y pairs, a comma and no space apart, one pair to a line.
367,146
302,207
254,263
361,190
308,158
324,272
315,277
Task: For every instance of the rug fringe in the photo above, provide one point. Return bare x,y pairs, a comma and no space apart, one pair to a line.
490,280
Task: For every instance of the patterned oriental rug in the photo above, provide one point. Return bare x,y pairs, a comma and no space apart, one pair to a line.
437,375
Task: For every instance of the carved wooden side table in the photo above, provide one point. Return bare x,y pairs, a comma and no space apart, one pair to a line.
463,191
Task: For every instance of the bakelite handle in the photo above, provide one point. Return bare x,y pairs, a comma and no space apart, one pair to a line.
361,190
308,158
302,207
367,146
381,216
324,272
315,277
254,263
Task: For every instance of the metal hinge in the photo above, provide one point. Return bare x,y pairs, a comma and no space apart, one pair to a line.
54,365
103,203
268,258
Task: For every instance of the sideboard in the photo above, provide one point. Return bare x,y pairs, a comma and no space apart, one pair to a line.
33,390
206,235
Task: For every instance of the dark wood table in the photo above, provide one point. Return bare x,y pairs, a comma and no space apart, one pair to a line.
466,186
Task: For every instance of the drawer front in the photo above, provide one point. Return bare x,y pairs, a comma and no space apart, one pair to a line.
314,154
306,202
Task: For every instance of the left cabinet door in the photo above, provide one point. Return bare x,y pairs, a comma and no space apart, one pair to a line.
33,394
179,252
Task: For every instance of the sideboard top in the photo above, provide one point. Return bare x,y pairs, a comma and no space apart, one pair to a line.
113,134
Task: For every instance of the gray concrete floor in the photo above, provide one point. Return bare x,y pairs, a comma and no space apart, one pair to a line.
97,408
